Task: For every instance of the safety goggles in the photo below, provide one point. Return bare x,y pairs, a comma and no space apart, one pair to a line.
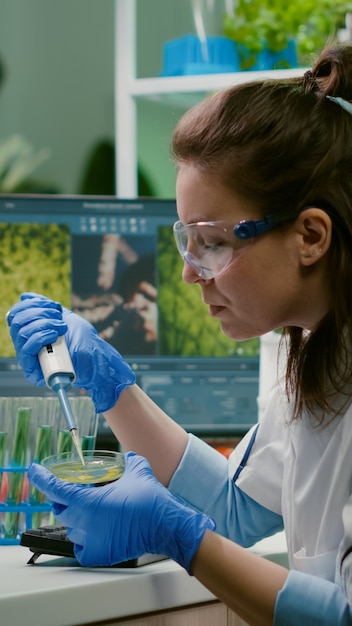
210,247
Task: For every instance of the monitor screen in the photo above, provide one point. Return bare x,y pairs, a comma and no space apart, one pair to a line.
115,263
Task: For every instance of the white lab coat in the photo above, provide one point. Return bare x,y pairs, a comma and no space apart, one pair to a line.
344,559
297,474
303,473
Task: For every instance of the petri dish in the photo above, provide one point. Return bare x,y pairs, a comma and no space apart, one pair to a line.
100,466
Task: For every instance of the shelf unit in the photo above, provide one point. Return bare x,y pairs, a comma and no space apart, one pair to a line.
179,90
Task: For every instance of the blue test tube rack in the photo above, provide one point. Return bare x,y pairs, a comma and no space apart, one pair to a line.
27,508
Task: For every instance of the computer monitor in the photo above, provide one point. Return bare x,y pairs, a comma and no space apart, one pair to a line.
115,262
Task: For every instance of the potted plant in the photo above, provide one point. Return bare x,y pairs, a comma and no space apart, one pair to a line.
18,159
283,34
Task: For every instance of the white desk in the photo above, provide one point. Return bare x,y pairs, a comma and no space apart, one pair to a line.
58,592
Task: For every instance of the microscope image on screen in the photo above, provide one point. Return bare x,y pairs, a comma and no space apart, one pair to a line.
114,288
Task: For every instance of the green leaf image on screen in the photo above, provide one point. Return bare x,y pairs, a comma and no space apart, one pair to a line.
185,327
33,257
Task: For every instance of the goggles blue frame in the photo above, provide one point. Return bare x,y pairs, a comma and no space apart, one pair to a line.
209,258
249,229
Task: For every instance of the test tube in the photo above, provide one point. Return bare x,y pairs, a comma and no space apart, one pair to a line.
16,478
64,442
3,447
42,450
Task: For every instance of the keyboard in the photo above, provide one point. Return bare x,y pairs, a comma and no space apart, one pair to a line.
52,539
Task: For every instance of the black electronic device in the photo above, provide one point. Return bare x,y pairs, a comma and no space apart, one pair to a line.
115,262
52,539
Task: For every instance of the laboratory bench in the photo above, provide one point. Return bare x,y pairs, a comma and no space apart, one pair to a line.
56,591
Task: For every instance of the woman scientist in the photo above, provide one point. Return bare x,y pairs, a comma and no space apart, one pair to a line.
264,197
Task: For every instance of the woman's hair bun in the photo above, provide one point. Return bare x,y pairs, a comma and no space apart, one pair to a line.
331,73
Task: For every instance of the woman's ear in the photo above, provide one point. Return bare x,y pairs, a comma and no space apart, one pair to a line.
315,228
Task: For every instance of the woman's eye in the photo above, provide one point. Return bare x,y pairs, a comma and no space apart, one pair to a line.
213,242
209,245
210,239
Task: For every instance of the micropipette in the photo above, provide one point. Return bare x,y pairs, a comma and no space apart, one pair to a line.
59,375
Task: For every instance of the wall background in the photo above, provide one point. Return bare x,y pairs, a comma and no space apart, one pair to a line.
59,90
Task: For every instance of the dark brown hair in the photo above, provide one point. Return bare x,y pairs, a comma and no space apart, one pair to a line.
282,145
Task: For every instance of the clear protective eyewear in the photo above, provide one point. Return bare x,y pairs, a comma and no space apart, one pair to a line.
210,247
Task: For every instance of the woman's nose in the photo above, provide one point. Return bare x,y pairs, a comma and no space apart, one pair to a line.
189,275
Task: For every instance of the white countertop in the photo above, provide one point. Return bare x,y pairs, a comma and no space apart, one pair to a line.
56,591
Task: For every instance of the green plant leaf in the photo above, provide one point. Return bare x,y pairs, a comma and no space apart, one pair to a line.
271,23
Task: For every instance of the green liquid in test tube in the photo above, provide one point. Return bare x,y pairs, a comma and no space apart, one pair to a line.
16,479
3,447
42,450
88,442
64,442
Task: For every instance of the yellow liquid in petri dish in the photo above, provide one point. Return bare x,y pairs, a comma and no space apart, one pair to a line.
94,471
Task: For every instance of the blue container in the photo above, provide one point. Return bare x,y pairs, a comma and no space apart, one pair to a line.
284,59
187,55
268,60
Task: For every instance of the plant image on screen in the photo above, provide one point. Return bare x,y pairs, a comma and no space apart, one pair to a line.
33,257
185,327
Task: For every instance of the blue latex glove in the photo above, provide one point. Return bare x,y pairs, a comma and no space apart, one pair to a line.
125,519
36,321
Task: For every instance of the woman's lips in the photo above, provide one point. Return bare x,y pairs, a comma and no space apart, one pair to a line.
215,310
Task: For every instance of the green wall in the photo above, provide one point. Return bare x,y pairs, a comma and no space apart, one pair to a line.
58,92
59,89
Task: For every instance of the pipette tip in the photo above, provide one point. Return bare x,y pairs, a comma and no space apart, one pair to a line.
77,444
